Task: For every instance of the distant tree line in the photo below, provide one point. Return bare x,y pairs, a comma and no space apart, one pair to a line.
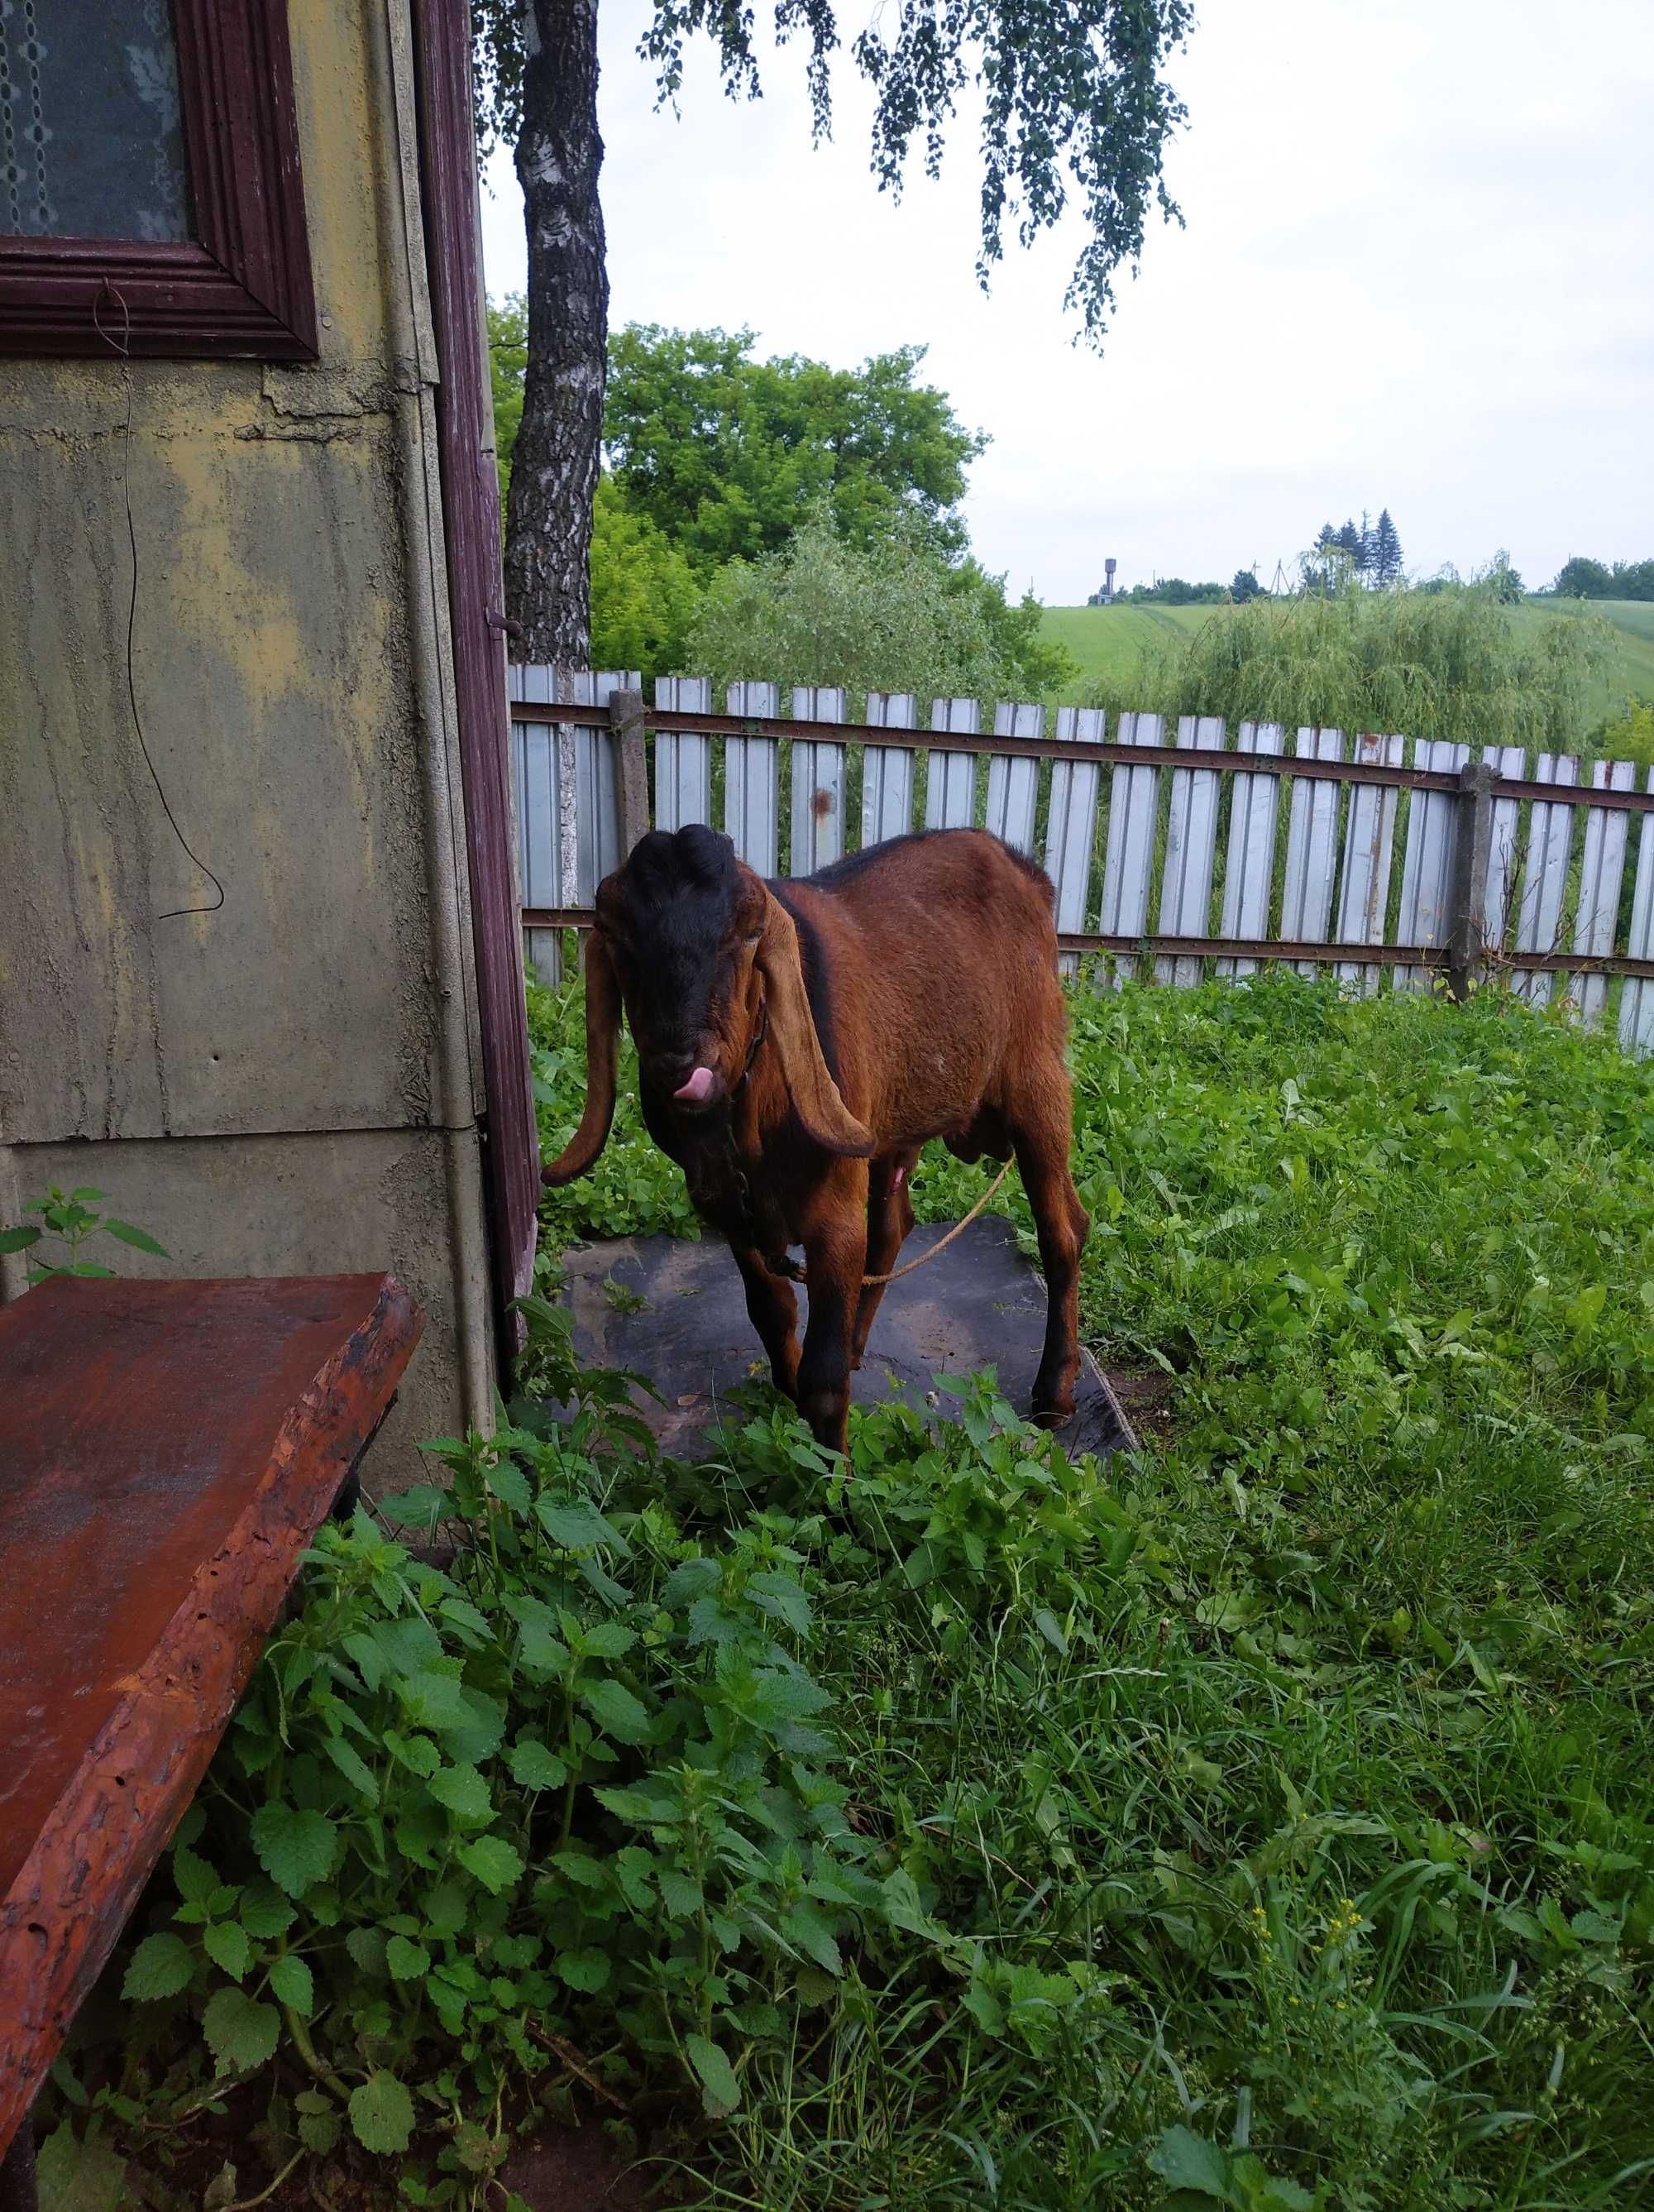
1371,552
1579,579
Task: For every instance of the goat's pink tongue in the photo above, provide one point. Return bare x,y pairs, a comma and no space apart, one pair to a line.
697,1088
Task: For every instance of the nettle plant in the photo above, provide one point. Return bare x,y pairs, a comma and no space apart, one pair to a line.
67,1220
577,1775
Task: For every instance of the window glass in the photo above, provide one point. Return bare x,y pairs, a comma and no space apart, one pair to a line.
91,139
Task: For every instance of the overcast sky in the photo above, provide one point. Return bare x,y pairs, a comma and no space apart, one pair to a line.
1418,272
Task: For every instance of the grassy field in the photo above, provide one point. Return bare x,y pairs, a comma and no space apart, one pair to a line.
1264,1822
1109,642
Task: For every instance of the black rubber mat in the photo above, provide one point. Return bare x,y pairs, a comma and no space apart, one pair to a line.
978,1304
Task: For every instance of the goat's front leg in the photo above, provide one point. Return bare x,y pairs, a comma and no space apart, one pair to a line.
835,1258
772,1310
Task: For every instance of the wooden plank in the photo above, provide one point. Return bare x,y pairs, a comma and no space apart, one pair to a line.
1369,847
169,1450
887,776
818,783
1425,916
1312,823
1544,878
1013,783
950,778
1129,854
1636,1000
1071,822
1191,848
1249,859
1603,866
683,759
1502,860
598,838
471,528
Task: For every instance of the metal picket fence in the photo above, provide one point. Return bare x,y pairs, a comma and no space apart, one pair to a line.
1384,857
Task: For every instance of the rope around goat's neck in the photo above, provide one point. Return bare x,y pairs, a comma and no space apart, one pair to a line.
794,1274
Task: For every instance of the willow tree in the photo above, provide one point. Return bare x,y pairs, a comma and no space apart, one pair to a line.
1076,108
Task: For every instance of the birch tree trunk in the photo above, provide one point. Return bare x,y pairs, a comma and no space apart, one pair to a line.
554,466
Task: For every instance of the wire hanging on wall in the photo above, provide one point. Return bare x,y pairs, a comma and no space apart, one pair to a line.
122,346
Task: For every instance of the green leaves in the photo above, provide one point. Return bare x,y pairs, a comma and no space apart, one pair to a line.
295,1848
228,1947
720,2091
241,2033
616,1710
159,1967
495,1864
291,1984
464,1793
382,2114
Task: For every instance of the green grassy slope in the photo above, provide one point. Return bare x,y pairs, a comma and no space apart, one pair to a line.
1108,641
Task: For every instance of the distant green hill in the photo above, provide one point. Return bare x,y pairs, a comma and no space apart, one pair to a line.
1108,641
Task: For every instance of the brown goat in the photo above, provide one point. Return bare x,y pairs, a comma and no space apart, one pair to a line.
798,1044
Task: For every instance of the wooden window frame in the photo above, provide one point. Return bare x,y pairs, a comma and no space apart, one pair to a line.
241,288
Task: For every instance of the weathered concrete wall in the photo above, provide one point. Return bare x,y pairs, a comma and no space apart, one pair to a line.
289,1081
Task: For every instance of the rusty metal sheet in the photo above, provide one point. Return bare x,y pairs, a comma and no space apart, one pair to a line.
166,1451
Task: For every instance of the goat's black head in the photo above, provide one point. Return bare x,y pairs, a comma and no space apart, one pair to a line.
695,945
681,925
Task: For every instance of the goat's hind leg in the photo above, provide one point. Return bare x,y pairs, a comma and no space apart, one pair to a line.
889,1219
1043,1126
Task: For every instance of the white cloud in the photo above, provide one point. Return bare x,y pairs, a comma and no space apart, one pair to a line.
1416,272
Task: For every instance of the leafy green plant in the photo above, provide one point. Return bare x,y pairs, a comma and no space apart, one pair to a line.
68,1218
1259,1821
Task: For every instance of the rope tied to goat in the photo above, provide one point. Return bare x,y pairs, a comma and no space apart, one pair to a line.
788,1267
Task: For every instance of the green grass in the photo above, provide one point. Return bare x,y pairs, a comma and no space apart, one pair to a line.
1378,1623
1109,642
1264,1822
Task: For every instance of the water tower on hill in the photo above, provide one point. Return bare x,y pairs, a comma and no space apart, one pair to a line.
1106,596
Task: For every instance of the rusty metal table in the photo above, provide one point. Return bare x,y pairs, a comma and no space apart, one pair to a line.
166,1452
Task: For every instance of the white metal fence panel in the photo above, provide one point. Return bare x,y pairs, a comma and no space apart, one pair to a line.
1544,879
1249,858
1636,1000
1012,783
1369,848
750,781
1128,856
569,830
683,758
1602,871
950,778
1312,825
1506,761
1071,822
1190,848
818,783
539,847
888,776
1425,913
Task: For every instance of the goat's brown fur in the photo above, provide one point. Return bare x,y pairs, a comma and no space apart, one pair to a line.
925,972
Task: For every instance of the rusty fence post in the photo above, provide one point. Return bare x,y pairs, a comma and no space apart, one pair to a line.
1468,906
626,722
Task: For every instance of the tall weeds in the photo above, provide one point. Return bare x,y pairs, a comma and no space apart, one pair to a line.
1449,662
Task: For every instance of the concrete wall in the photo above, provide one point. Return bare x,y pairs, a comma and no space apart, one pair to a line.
290,1083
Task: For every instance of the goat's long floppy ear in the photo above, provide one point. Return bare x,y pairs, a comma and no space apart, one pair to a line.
827,1120
603,1038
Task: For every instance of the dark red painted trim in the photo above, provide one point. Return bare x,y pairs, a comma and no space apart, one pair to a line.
243,288
470,507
